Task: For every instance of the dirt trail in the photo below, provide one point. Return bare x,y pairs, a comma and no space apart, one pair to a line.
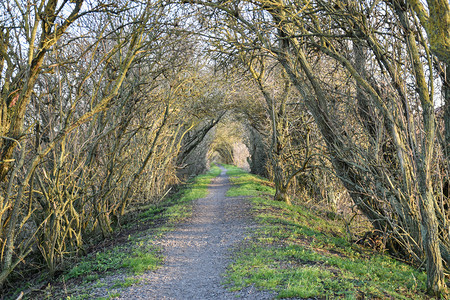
198,251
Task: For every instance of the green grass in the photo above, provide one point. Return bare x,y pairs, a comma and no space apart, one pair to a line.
142,259
79,297
125,283
299,253
110,296
246,184
136,258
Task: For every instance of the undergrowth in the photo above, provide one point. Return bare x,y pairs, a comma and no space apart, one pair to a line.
299,253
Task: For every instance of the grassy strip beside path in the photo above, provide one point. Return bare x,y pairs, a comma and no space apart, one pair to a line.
299,253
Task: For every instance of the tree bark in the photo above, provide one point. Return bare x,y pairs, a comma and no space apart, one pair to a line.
435,272
446,87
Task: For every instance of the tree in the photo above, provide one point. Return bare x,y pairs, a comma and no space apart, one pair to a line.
289,148
24,43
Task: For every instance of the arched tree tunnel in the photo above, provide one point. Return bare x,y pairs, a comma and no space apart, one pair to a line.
229,146
226,142
106,106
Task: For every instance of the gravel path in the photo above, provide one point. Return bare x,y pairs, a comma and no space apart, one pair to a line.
198,251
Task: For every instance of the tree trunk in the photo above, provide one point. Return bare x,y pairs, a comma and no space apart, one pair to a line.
430,236
281,193
446,88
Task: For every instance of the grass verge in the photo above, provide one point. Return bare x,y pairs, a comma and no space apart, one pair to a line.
299,253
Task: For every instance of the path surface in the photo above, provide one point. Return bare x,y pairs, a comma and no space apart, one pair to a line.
198,251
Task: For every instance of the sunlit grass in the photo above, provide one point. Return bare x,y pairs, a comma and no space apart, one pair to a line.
142,260
245,184
298,253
